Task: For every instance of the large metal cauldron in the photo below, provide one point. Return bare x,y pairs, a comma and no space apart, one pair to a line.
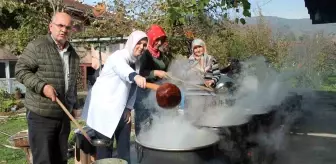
276,115
233,139
262,122
207,154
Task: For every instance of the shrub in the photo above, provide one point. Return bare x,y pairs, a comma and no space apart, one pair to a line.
6,101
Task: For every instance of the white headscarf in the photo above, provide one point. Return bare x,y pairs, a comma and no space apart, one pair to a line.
132,41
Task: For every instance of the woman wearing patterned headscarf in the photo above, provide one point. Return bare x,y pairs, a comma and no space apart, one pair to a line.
205,64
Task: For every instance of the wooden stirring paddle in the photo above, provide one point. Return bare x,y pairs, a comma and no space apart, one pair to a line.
73,119
198,86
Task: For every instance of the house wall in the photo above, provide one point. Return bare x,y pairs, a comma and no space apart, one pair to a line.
108,51
90,58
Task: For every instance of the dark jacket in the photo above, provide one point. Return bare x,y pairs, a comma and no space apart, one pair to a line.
41,64
150,63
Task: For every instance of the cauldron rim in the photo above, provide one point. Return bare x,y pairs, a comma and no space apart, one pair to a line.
261,113
247,120
222,126
178,149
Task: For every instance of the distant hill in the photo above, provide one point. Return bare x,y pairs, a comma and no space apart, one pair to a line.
297,26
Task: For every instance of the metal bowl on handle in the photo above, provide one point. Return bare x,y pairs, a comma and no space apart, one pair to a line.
101,142
219,85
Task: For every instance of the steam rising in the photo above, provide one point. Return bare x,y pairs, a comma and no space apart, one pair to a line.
260,88
172,131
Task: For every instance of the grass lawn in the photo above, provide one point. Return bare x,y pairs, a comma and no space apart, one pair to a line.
12,126
8,155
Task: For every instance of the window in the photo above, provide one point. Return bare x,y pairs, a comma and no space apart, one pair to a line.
2,70
12,69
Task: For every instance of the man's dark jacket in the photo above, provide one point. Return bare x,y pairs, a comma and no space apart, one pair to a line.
41,64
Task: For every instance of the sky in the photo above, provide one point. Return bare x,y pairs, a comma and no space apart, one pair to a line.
291,9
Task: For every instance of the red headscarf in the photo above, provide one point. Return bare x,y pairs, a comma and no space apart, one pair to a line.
153,33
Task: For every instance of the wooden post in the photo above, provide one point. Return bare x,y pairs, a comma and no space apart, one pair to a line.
29,155
81,157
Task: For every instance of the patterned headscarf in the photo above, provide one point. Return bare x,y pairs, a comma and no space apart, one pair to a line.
198,42
196,60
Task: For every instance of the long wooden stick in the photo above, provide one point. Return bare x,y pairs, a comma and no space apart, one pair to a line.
152,86
73,119
198,86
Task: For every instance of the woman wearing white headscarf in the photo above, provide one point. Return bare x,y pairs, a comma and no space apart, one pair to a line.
108,104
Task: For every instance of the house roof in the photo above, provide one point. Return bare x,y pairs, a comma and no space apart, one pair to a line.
6,55
77,10
77,5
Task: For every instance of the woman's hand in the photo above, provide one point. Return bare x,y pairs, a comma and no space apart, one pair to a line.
140,81
208,83
160,74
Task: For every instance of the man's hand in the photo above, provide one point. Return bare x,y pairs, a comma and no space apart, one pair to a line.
49,92
76,113
160,74
140,81
128,118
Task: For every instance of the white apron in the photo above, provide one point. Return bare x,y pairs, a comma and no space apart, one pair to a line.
108,97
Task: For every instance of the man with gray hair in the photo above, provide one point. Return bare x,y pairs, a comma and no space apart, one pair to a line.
48,68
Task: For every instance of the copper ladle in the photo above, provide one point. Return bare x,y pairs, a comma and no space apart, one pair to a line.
168,95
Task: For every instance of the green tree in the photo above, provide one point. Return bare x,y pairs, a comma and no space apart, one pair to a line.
23,22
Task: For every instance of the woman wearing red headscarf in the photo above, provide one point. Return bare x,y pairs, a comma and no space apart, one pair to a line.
154,64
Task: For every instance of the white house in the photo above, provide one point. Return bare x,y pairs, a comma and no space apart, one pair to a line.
7,71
